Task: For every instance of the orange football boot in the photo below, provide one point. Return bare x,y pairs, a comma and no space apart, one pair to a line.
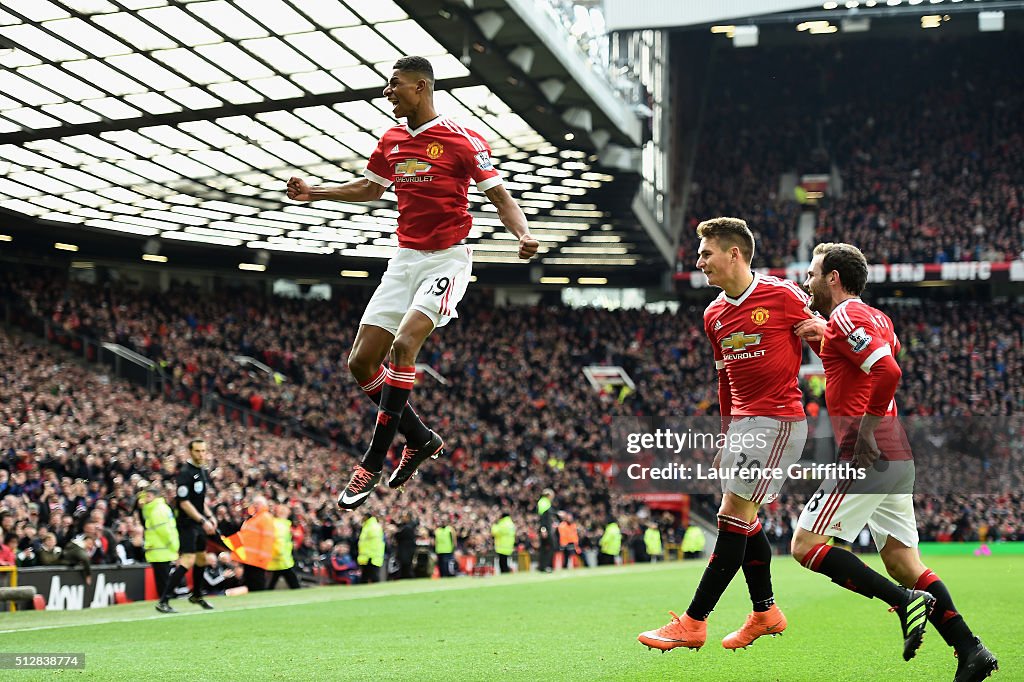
759,623
681,631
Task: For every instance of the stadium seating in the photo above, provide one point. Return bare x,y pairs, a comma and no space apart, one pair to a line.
84,426
927,155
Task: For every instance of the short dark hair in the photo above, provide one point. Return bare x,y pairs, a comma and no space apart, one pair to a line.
193,442
731,232
848,261
418,65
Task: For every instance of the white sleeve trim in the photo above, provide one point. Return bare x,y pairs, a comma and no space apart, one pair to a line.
373,177
489,183
877,355
719,364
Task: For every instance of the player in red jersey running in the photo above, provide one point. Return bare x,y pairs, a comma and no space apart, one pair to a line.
751,328
858,348
431,161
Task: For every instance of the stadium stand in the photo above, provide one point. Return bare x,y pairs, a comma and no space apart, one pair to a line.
927,156
86,427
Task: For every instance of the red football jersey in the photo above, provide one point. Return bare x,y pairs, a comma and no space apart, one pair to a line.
431,168
755,345
856,337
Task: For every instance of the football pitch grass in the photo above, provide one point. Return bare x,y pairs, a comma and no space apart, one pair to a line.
578,625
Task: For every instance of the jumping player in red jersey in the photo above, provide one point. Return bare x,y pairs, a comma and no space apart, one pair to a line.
858,350
431,161
751,328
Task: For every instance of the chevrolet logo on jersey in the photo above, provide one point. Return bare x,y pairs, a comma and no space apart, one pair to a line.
410,167
738,341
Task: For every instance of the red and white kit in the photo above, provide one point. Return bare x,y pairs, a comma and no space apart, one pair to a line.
758,359
431,168
858,352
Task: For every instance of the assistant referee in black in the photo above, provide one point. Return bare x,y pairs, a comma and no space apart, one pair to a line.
193,525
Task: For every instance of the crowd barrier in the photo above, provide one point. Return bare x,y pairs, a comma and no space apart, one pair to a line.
65,589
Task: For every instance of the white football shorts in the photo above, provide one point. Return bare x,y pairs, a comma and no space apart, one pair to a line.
758,464
885,503
432,282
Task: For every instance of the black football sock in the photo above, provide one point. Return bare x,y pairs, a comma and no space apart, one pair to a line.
173,580
757,568
726,558
198,581
944,616
410,425
848,571
397,387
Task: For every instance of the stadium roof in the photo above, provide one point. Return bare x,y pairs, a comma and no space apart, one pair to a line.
179,121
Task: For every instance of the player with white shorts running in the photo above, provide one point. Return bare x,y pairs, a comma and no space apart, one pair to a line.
858,348
751,329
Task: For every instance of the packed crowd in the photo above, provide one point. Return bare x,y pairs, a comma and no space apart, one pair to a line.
76,444
530,367
745,147
517,413
934,172
929,153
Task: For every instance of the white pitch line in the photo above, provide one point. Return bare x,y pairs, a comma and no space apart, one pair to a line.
349,596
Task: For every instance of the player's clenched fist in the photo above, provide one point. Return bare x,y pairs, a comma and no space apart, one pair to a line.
528,247
866,451
298,190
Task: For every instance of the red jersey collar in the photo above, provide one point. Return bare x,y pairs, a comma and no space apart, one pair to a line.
841,305
746,292
429,124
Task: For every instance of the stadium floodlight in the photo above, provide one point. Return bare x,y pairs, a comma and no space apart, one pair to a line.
991,21
745,36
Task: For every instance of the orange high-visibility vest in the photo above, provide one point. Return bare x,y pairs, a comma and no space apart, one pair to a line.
567,534
253,544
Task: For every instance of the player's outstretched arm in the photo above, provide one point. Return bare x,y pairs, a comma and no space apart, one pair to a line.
357,190
514,220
